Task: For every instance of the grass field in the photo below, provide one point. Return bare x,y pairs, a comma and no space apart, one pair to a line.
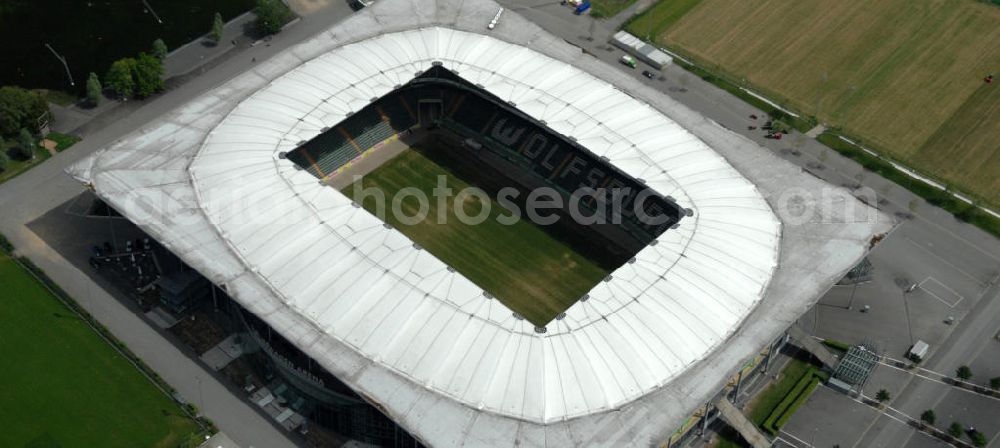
608,8
64,386
903,76
525,268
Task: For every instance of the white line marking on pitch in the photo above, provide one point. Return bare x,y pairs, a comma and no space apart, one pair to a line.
945,287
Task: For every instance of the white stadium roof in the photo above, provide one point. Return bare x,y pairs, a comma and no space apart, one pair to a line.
393,322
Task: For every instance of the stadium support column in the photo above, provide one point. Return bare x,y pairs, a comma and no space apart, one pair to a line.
736,389
771,351
704,420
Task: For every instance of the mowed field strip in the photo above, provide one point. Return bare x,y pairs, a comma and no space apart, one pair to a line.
524,267
65,386
905,77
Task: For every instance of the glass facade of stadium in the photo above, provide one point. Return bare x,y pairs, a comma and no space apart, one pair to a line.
300,382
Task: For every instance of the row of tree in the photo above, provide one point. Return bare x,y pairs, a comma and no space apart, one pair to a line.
142,76
137,77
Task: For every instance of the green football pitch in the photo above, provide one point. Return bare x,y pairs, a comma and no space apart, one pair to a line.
524,267
64,386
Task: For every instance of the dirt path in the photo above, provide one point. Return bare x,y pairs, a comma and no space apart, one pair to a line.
49,145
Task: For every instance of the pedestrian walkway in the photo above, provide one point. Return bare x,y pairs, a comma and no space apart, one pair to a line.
236,34
179,62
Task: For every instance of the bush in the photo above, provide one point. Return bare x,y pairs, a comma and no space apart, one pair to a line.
218,26
119,77
964,373
928,417
147,72
26,144
836,345
271,16
159,49
956,429
995,383
94,89
882,396
977,438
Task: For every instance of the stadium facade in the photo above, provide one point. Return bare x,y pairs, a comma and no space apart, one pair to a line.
227,183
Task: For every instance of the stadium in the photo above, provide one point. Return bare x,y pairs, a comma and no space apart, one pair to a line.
607,334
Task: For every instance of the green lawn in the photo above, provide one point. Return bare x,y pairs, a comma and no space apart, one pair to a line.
608,8
655,20
63,386
528,270
15,167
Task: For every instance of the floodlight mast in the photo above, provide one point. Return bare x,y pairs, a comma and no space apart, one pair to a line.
66,66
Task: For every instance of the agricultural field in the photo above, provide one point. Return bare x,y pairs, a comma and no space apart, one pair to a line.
524,267
904,77
65,386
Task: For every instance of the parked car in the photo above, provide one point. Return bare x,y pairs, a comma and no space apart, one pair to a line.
628,60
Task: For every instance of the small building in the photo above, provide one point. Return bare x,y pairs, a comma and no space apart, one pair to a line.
641,50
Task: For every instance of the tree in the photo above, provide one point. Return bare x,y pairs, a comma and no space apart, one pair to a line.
882,396
147,72
26,144
964,373
928,417
3,161
119,77
159,49
956,429
271,16
217,27
94,89
995,383
20,108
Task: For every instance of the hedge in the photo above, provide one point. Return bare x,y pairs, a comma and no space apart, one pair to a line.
935,196
836,345
798,395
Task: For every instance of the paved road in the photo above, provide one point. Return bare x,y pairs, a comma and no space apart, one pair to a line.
46,186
